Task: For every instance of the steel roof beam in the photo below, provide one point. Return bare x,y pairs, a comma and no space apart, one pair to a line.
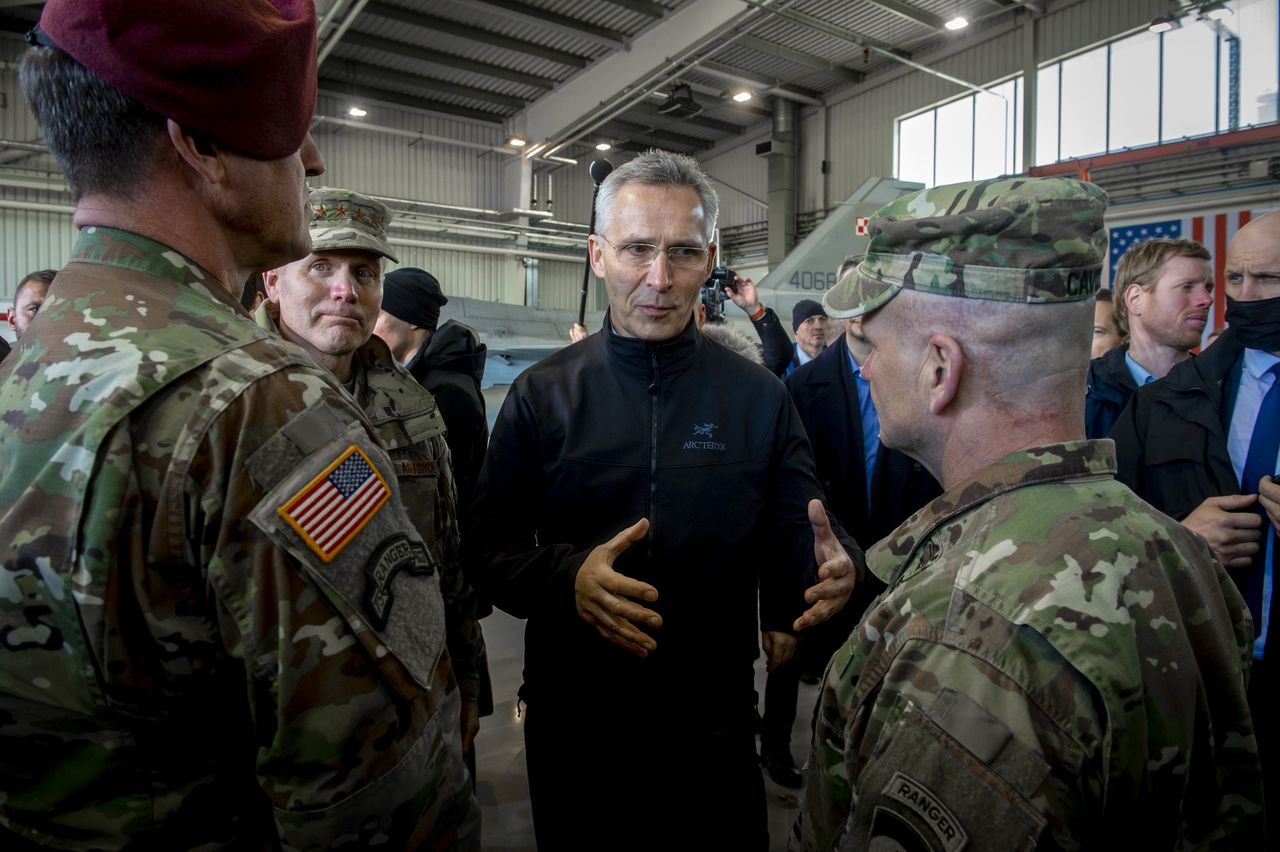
644,7
637,131
415,51
342,90
800,57
562,24
579,102
911,13
430,22
774,87
642,111
359,71
815,23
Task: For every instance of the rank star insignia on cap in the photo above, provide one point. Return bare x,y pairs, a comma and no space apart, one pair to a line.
331,509
342,219
1028,240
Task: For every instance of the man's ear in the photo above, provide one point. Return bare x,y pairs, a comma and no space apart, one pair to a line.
595,251
944,366
271,283
199,155
1133,299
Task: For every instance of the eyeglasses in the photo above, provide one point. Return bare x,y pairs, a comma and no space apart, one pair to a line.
640,255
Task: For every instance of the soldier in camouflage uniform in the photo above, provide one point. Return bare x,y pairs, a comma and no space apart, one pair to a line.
218,628
332,296
1054,664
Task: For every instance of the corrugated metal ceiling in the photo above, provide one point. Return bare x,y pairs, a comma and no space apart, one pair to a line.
459,56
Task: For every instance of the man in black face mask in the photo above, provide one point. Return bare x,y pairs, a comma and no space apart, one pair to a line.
1202,446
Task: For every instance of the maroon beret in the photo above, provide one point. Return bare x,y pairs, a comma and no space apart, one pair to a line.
242,72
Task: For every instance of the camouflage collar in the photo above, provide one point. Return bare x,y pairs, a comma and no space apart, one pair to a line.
1036,466
102,246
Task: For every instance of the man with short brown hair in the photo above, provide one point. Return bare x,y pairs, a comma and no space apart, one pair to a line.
1163,290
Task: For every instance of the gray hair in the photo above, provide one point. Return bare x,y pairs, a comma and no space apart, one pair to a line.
104,140
656,167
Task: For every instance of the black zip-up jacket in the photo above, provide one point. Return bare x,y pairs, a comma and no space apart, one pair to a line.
1107,392
1171,440
709,448
451,365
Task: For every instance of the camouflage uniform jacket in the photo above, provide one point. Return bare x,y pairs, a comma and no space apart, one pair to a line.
410,426
218,628
1054,665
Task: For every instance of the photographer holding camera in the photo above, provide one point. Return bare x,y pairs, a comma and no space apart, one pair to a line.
725,284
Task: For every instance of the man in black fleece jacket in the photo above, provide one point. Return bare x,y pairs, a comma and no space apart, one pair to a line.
641,489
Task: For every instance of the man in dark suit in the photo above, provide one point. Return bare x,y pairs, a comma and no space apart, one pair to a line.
870,488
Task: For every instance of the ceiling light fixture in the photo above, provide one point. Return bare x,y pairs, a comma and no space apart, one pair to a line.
1164,24
742,95
357,112
603,146
959,22
517,141
1216,12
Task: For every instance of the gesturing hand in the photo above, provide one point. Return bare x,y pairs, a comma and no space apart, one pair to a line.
1232,530
835,572
779,648
604,597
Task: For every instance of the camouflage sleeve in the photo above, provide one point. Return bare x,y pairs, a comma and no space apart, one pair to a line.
463,635
325,594
945,752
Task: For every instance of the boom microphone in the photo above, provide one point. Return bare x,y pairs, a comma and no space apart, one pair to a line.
599,170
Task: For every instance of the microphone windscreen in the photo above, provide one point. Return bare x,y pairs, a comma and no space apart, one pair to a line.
600,170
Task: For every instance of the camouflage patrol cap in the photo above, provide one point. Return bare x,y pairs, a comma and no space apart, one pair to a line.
342,219
1028,240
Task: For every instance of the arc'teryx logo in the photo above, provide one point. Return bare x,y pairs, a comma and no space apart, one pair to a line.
707,431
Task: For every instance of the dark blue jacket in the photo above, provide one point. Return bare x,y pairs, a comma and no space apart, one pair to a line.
825,396
1107,392
1171,440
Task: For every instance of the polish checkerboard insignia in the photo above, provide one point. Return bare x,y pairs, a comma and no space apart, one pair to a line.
862,225
331,509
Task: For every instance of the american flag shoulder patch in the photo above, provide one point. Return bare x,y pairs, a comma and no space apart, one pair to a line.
330,510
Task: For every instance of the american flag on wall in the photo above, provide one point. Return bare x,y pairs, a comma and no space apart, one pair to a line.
1213,231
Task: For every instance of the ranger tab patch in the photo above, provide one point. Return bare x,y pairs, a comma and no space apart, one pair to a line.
928,807
332,508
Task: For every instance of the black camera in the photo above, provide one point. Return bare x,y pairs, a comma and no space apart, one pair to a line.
713,292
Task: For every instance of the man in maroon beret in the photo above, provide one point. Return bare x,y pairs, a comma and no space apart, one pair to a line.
218,628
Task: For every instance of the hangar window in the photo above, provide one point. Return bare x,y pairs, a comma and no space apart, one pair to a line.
972,137
1202,77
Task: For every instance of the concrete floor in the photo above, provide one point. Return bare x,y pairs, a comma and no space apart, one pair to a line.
503,787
